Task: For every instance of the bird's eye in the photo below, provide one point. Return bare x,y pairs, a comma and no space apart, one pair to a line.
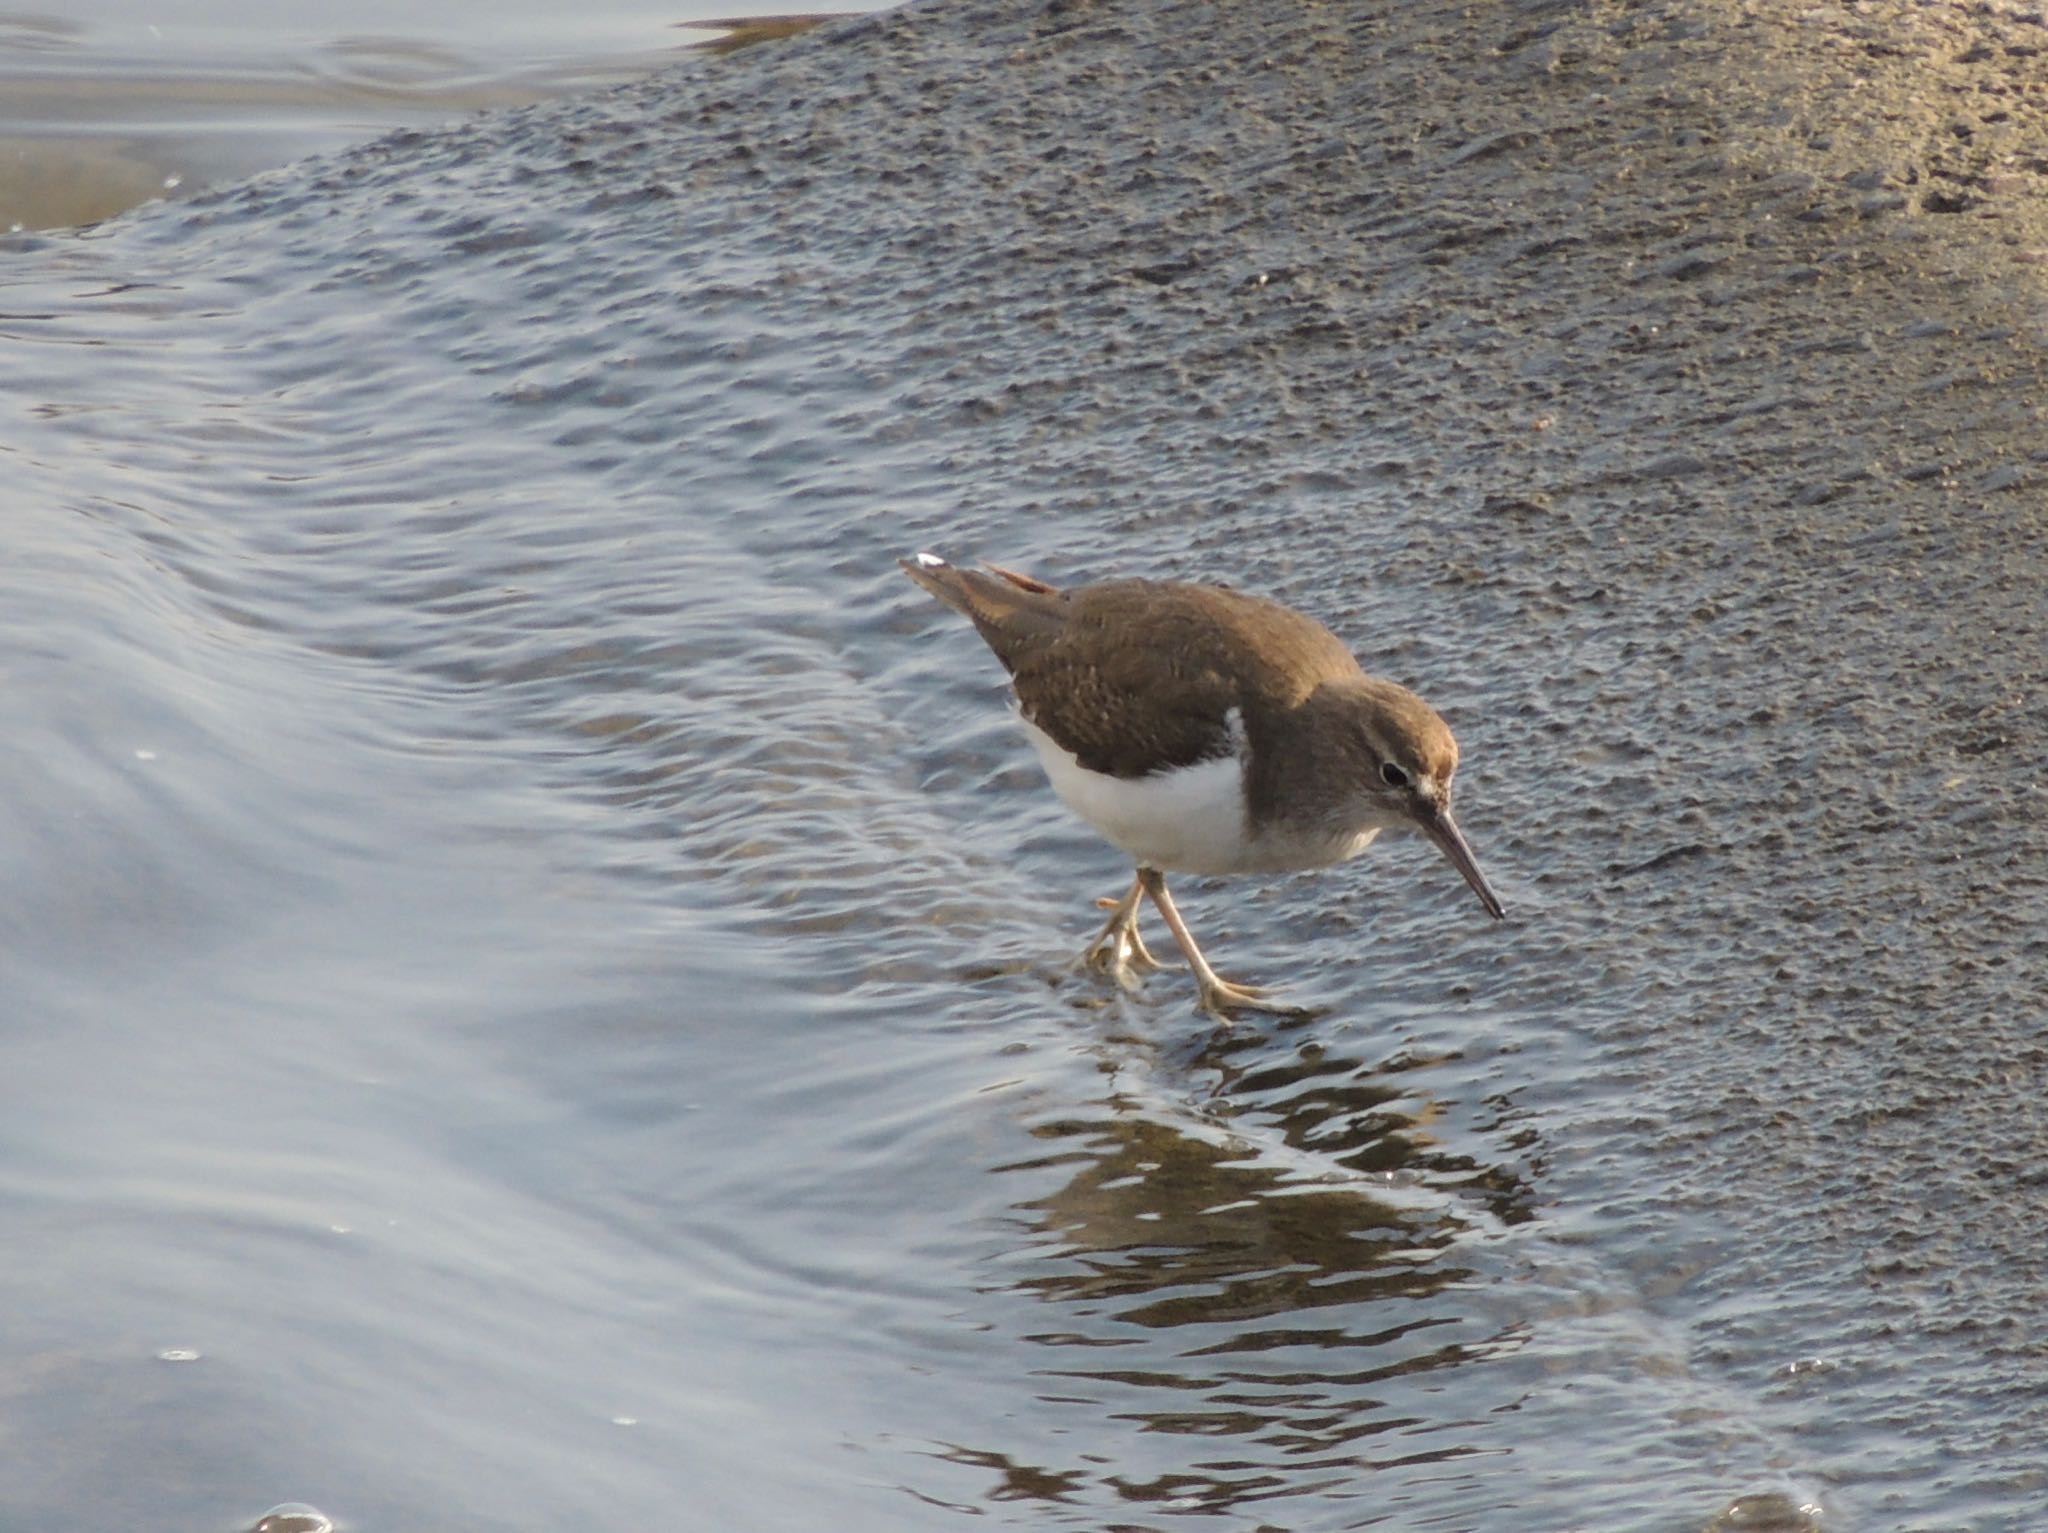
1392,775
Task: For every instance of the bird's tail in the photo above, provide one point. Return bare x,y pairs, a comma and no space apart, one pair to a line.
1003,604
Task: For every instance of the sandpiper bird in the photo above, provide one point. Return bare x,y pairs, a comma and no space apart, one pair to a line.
1200,730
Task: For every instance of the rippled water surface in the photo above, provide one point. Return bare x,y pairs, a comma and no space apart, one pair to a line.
105,104
535,963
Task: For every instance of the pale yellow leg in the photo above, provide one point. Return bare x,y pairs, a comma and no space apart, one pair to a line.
1118,950
1219,995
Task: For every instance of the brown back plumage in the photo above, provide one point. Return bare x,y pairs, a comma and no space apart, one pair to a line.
1138,676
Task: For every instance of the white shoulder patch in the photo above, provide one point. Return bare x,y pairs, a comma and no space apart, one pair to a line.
1233,725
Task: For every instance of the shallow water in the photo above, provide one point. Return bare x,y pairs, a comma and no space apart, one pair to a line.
536,962
109,104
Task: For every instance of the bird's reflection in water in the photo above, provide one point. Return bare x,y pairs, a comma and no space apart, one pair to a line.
1279,1271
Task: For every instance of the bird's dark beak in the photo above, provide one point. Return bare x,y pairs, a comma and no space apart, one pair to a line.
1436,823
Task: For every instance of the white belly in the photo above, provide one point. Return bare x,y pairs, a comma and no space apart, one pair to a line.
1187,821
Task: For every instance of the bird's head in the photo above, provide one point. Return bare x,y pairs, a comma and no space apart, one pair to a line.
1404,757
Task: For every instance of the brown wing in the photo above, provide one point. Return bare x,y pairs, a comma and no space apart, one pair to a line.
1140,676
1143,676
